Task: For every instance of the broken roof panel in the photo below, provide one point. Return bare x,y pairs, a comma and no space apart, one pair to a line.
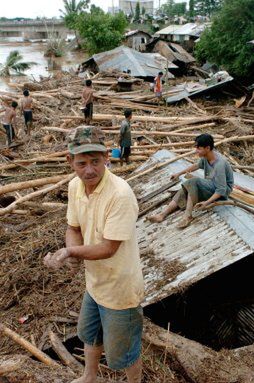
190,29
181,53
135,32
197,89
174,259
123,58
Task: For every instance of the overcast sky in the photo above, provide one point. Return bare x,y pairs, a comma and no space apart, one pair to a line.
45,8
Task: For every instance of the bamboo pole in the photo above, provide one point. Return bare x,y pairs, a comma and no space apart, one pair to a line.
29,184
161,133
169,119
160,165
27,346
30,196
63,353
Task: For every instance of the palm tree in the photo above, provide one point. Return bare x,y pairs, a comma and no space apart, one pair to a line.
74,7
14,63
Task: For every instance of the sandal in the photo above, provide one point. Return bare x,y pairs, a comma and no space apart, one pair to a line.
185,222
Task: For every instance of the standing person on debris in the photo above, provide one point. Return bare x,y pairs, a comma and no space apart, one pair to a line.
87,101
158,86
102,213
198,192
125,137
9,122
26,109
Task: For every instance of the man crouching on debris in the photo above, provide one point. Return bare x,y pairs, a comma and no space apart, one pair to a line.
198,192
102,213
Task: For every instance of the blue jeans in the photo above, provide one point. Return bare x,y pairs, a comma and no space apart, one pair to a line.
119,331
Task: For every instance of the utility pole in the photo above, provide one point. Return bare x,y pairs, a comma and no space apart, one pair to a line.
113,8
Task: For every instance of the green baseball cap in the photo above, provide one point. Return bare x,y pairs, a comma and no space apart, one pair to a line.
86,139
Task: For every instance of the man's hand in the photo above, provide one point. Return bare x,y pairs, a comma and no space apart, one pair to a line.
56,260
201,205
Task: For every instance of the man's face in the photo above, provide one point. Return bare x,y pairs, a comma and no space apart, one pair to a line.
202,151
90,167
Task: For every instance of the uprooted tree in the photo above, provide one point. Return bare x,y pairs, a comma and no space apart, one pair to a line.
226,42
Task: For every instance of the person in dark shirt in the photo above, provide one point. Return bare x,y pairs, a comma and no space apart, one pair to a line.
217,184
125,136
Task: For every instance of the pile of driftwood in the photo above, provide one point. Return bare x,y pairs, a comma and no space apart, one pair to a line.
33,200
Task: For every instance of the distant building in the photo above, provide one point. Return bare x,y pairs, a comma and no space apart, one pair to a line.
137,40
129,6
113,10
185,34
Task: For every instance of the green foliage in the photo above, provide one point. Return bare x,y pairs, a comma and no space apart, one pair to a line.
101,31
225,43
207,7
14,63
137,11
172,9
72,9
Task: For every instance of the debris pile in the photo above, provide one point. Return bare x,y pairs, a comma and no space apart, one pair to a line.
33,198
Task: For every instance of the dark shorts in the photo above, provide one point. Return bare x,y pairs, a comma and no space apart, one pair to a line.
28,116
88,111
125,151
119,331
9,132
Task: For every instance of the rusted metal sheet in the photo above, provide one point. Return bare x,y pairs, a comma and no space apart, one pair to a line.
124,59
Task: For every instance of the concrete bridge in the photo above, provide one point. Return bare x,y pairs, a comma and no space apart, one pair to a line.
34,29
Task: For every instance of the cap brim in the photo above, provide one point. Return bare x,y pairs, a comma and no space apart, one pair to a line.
86,148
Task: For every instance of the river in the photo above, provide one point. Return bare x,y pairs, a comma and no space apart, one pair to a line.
34,51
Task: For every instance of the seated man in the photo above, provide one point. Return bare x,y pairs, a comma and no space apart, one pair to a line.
199,192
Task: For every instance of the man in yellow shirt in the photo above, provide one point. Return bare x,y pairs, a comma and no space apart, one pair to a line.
102,214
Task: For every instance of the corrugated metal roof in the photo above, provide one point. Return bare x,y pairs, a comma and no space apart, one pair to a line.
173,259
123,58
191,29
136,31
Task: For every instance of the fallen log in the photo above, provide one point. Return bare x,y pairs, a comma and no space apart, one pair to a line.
187,154
27,346
30,196
29,184
170,119
15,163
243,167
63,353
228,203
161,133
197,362
196,127
160,165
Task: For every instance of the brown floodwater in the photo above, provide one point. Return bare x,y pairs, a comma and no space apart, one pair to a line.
34,51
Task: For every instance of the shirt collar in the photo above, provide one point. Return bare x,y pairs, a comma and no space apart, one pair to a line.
81,190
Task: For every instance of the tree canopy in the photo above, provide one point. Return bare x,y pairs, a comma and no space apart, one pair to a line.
99,30
207,7
171,8
72,9
225,43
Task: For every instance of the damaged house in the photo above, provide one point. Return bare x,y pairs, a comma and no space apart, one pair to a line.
173,52
185,35
124,59
137,40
